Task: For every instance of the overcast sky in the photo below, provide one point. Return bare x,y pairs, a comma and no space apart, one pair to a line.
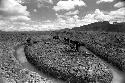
51,14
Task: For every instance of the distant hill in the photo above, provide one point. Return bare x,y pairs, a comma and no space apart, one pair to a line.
97,26
102,26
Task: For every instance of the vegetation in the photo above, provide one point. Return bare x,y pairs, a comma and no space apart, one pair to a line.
62,59
101,39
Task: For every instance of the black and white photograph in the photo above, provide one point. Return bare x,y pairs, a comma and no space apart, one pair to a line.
62,41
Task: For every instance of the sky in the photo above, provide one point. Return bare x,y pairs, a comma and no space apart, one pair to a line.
57,14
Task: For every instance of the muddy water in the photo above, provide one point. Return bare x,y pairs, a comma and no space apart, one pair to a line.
118,77
30,67
22,59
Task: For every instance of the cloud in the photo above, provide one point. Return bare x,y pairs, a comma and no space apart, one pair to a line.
21,1
35,10
112,16
99,15
100,1
11,9
118,15
68,5
72,12
19,18
68,18
96,16
89,18
43,3
118,12
26,26
47,1
119,4
50,1
67,21
47,21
